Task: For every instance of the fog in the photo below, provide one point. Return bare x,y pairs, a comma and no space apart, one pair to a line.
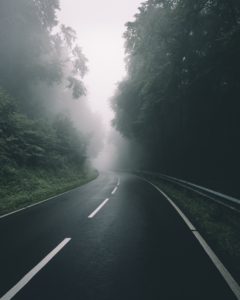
62,64
100,26
62,60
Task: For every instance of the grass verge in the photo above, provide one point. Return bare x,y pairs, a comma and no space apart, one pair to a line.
217,224
31,186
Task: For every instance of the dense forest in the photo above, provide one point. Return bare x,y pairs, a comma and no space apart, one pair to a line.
179,102
42,150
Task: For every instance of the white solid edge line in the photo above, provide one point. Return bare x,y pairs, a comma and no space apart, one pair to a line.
218,264
35,204
118,183
97,209
114,191
13,291
190,186
234,286
186,220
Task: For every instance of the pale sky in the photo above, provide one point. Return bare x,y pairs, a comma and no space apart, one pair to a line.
100,26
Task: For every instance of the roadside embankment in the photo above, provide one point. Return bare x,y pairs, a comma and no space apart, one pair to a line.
29,186
217,224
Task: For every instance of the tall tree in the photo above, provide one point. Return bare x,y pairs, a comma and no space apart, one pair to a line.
180,97
30,52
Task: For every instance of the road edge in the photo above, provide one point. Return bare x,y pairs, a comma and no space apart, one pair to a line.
231,282
43,201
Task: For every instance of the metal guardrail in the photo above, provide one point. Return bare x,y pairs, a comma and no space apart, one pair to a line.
220,198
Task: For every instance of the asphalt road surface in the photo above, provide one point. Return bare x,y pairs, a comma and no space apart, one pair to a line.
114,238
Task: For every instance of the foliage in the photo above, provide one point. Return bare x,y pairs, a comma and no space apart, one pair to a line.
33,49
38,149
217,224
180,97
37,143
31,186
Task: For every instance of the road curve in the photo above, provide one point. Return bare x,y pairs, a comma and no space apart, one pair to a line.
114,238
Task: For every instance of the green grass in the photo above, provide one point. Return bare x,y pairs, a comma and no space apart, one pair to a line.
30,186
217,224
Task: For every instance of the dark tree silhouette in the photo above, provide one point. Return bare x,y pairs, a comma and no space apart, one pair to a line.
180,99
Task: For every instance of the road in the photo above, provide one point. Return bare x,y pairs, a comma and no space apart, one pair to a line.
115,238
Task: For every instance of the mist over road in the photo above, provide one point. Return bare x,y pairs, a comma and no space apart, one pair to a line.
114,238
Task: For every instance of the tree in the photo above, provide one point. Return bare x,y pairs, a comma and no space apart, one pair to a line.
179,99
30,52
